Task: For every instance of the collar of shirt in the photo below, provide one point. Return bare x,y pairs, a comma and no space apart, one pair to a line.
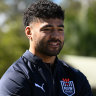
33,58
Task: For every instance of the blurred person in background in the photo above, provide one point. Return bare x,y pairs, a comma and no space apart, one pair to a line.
39,72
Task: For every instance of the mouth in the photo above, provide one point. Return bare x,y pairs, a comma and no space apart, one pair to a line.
54,44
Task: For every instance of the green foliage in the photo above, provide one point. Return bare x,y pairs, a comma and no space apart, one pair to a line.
87,41
72,28
80,35
80,24
3,6
79,32
13,42
12,46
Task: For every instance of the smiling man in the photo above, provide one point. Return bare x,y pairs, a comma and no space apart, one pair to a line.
39,72
46,38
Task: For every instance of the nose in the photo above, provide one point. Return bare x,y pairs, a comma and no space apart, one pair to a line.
55,34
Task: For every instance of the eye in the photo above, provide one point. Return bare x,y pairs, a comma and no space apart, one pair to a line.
60,29
47,29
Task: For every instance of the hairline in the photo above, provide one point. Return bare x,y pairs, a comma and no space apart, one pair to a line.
36,20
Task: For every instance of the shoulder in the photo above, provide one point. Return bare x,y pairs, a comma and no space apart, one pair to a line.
19,65
15,68
15,79
17,71
68,67
76,73
79,78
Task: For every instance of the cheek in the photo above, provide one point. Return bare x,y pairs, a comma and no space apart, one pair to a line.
38,37
35,36
62,36
44,38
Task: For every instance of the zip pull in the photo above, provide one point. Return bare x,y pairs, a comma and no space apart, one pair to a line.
41,73
53,81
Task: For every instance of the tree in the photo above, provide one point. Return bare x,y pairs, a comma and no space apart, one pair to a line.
12,38
80,23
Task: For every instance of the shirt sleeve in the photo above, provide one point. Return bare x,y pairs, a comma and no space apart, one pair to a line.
83,85
86,88
13,83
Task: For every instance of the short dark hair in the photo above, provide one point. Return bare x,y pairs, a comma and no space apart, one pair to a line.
42,9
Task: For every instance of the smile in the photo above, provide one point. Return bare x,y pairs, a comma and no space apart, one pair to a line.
54,44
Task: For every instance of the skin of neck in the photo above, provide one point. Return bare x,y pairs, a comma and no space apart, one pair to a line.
45,58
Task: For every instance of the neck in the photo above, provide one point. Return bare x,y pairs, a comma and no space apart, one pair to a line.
45,59
48,59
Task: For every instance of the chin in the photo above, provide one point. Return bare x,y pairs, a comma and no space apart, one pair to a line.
52,53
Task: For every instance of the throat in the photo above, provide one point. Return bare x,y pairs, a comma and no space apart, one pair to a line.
49,60
45,58
51,67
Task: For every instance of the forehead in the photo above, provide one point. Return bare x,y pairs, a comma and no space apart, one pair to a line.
54,22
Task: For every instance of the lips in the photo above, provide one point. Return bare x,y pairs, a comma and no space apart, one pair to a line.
54,44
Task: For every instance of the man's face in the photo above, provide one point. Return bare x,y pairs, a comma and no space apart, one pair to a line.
47,36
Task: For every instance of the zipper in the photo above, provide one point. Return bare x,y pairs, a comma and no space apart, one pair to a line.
53,83
52,80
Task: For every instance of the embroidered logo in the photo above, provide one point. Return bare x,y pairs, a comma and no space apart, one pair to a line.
67,87
41,87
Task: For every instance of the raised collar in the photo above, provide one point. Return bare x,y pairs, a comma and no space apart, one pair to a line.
30,57
33,58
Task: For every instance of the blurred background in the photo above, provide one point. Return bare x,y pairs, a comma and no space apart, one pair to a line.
80,35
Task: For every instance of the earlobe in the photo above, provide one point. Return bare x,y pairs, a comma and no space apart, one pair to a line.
28,32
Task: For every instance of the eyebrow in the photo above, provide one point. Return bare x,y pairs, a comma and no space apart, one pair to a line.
47,26
61,26
53,26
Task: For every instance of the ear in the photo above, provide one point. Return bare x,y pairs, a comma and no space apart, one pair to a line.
28,32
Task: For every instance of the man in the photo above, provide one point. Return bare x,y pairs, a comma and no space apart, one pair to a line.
39,72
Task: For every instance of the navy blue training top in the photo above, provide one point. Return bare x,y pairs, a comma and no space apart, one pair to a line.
29,76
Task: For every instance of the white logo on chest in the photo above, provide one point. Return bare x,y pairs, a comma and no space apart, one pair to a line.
67,87
41,87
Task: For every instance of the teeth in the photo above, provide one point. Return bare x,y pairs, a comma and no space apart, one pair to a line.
54,44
